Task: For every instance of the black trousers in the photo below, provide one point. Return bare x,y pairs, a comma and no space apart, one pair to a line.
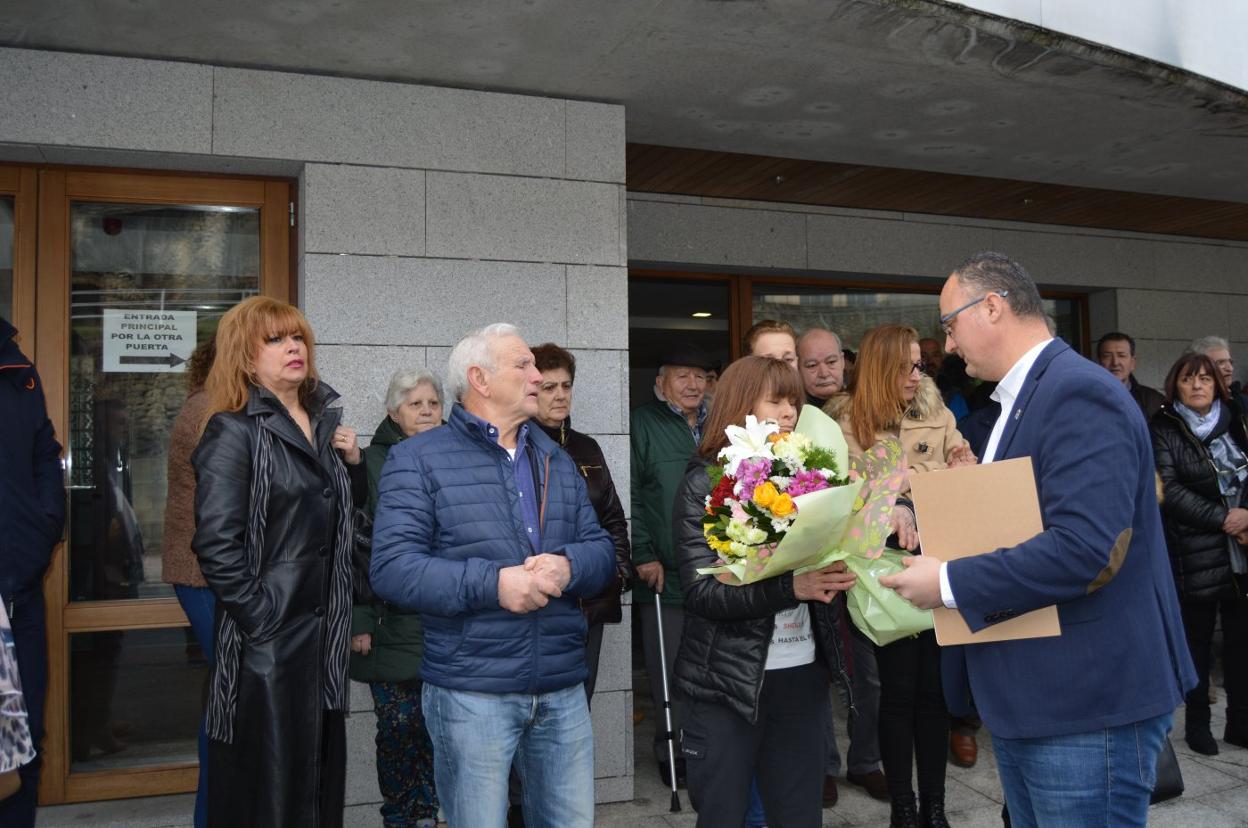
30,647
785,750
914,723
1198,623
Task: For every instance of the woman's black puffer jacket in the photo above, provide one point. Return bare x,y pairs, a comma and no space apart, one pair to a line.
723,650
1193,509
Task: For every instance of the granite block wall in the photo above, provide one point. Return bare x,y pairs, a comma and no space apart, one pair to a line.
422,213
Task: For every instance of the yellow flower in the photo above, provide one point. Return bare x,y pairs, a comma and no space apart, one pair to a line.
775,438
782,506
765,494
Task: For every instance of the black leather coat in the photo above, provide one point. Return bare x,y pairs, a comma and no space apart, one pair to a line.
584,450
1193,508
723,650
269,775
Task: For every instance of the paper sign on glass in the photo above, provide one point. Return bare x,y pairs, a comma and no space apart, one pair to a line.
970,510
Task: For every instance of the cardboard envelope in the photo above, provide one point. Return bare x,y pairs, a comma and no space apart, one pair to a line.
970,510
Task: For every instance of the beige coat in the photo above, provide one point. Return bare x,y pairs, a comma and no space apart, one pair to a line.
928,432
179,564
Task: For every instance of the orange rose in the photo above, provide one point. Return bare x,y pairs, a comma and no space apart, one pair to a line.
765,494
782,506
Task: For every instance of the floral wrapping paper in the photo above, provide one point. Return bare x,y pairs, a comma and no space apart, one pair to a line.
16,746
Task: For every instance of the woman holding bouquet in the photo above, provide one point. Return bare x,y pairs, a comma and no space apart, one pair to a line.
890,398
755,659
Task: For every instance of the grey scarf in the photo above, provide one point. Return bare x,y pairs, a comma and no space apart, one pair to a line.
1213,430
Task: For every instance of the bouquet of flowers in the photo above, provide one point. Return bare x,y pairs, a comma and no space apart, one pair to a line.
792,503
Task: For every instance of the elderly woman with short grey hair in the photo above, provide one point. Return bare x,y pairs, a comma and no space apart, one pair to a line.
386,642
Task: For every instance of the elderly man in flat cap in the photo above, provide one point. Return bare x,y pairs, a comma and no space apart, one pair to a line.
664,435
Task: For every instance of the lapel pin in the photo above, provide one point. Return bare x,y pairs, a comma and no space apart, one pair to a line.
1018,414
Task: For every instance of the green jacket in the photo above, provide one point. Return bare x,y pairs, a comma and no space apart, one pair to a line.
398,639
662,444
388,434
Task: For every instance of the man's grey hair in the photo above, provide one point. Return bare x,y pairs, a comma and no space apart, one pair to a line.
997,273
477,348
1209,343
840,346
406,379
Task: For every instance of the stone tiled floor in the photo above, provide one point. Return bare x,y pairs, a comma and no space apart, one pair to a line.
1216,797
1216,793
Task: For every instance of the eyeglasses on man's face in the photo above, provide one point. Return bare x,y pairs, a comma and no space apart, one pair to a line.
946,321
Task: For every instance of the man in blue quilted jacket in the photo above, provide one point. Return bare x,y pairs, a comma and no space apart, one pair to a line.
484,527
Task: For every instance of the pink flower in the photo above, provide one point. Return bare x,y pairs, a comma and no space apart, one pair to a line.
805,482
750,474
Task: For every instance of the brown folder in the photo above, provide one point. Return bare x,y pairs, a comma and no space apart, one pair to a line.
970,510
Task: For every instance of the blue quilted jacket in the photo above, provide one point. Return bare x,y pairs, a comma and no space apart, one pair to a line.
448,519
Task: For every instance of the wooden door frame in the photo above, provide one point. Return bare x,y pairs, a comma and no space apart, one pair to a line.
57,188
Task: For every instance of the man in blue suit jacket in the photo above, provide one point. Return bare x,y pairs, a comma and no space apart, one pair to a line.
1077,720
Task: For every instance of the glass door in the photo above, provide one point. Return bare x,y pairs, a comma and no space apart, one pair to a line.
135,272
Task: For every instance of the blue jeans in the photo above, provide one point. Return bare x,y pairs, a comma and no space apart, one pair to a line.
200,606
476,736
1082,780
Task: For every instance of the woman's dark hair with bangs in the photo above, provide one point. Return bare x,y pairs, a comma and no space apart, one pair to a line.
1193,363
550,357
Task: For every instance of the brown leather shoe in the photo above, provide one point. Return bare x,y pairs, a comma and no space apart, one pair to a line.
830,793
873,783
963,750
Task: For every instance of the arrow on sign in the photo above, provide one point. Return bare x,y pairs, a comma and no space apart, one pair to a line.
170,359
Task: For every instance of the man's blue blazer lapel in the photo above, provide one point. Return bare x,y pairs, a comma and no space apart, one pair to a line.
1025,393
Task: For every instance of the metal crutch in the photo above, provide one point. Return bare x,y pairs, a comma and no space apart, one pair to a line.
667,705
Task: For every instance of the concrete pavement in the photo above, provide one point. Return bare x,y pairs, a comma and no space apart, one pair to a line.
1216,795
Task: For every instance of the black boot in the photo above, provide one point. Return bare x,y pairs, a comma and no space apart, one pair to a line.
902,814
932,811
1198,736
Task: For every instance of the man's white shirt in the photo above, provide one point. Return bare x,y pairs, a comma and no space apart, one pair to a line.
1006,393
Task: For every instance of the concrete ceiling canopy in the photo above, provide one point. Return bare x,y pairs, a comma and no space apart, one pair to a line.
916,84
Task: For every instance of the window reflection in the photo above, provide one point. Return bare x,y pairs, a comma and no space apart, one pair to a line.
149,283
136,698
851,312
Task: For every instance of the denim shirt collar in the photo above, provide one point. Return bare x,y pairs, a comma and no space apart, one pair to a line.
489,431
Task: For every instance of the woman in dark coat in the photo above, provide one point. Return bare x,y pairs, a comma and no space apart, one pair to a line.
554,415
386,642
273,507
754,660
1200,441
